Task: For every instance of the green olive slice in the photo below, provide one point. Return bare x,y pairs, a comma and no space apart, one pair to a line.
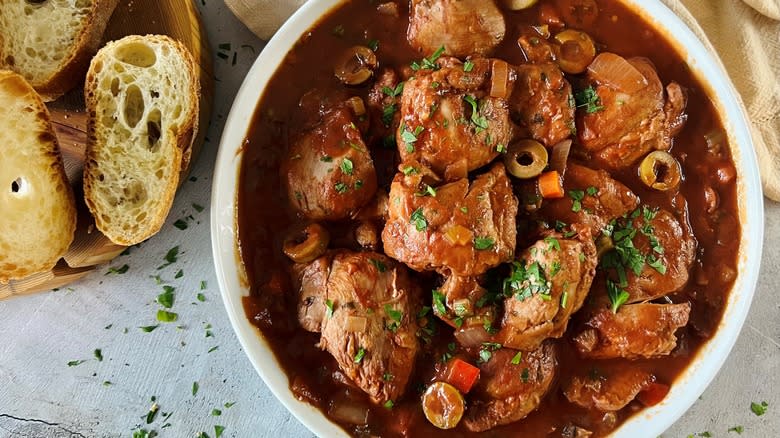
356,65
576,52
526,159
306,245
660,171
443,405
516,5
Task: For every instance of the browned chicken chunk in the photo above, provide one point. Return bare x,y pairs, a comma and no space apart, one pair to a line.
464,229
599,199
508,392
635,331
607,390
450,121
621,126
549,283
666,245
328,170
365,306
463,27
542,104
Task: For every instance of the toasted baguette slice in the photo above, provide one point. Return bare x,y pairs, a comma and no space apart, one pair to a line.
142,100
51,42
37,208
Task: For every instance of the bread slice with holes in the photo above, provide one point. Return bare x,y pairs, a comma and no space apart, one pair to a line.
51,42
142,99
37,208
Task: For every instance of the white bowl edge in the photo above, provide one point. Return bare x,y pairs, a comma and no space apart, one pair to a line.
650,422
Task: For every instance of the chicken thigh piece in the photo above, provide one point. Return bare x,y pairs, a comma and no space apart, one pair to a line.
593,199
549,283
459,228
454,121
328,171
508,392
365,306
543,104
462,27
624,120
643,330
607,390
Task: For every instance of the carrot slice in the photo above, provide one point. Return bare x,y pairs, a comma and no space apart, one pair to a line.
462,375
653,394
550,185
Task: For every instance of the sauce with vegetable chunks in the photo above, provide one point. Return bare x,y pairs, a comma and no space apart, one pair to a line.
705,197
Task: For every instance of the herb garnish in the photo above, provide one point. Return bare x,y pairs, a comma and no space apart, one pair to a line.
589,99
329,311
410,137
360,355
438,302
576,196
617,296
428,63
526,281
378,264
395,316
483,243
418,219
478,120
468,66
517,358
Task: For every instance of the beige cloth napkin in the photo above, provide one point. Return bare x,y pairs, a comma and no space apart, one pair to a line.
745,34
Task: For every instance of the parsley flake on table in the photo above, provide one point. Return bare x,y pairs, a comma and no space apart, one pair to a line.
737,429
98,355
165,316
759,408
166,298
75,363
120,270
149,328
218,431
195,388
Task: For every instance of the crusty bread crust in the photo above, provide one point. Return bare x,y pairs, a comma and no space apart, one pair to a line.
38,210
67,72
142,98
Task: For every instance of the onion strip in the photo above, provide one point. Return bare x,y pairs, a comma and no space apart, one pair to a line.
616,72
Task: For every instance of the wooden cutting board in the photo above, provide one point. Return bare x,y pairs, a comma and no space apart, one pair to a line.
178,19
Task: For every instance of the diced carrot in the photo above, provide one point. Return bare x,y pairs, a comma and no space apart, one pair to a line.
550,185
653,394
462,375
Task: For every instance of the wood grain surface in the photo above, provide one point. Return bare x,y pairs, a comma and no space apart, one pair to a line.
179,19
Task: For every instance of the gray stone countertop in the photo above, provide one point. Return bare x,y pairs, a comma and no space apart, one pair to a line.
42,396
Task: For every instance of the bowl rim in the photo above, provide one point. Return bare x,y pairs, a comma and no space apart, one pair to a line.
651,421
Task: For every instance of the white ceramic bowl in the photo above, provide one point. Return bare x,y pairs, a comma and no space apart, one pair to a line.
649,423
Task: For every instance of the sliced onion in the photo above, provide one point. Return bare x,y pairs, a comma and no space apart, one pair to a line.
348,410
560,156
356,324
499,79
357,105
616,72
472,335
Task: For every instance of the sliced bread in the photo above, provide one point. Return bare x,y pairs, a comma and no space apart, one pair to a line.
37,208
50,42
142,99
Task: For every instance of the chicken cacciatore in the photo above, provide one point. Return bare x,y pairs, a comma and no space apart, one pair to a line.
485,218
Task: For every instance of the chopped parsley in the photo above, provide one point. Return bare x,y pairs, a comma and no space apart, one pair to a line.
524,375
394,92
329,310
576,196
218,430
564,299
171,257
410,137
378,264
98,355
526,281
388,112
166,298
148,328
418,219
346,166
501,149
195,388
592,191
326,158
588,99
341,187
216,412
478,120
617,296
759,408
373,45
165,316
75,363
389,404
360,355
468,66
121,270
552,243
737,429
429,63
438,302
483,243
408,170
395,317
517,358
